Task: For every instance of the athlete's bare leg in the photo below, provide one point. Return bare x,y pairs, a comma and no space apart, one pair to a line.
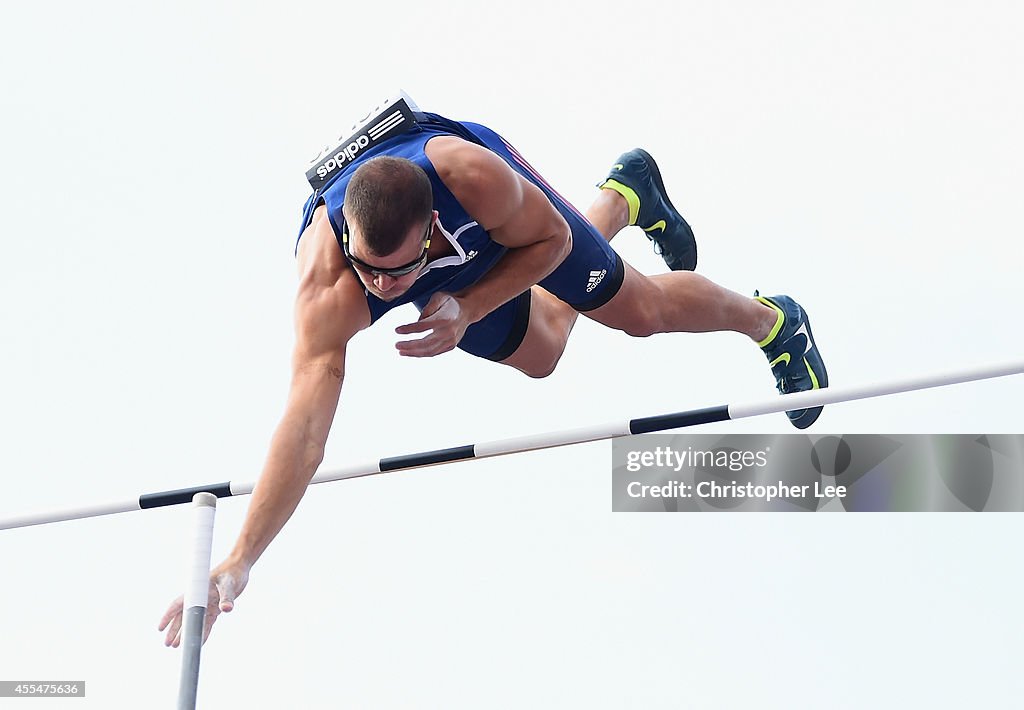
681,301
678,301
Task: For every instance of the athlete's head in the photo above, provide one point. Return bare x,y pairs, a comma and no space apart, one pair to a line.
389,217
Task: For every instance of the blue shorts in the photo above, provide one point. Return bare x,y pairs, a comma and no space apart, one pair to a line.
589,277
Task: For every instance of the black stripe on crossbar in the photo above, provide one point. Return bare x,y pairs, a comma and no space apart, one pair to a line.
456,453
646,425
183,495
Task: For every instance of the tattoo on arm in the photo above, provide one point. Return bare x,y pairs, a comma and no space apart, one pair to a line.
334,371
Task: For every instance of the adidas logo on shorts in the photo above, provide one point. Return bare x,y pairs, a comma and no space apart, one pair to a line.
595,278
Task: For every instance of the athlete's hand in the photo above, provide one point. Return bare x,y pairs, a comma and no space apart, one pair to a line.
447,320
227,581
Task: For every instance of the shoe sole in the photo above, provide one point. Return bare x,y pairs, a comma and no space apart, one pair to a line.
822,382
656,174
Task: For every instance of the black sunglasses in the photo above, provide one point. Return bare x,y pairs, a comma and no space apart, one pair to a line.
379,270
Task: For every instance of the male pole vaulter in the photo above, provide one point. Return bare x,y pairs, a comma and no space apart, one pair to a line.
450,217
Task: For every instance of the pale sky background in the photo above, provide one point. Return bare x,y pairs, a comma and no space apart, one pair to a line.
864,157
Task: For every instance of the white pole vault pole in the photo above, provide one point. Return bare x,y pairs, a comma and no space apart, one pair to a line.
547,440
204,508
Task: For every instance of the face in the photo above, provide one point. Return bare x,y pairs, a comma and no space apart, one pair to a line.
388,277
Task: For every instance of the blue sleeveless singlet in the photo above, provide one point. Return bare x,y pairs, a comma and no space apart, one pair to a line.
586,279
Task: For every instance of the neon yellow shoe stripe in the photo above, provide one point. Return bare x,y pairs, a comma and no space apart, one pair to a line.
778,322
631,197
811,373
660,224
784,357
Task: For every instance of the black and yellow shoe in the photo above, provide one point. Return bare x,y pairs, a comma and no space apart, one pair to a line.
793,355
636,177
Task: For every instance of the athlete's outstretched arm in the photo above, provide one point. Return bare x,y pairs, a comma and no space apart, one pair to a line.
325,321
297,447
516,214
